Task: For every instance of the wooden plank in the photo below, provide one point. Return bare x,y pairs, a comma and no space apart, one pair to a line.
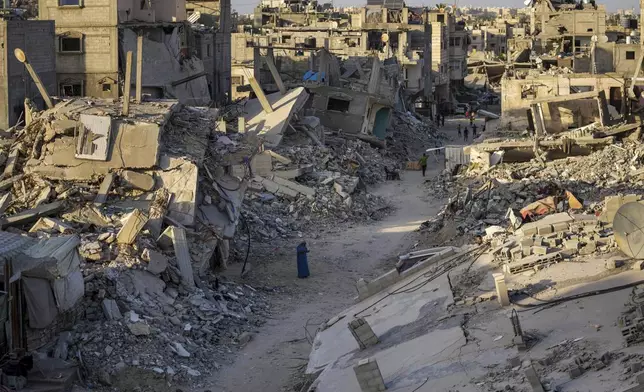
182,254
128,84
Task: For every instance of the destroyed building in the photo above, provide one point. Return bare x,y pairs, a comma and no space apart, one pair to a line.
92,40
291,36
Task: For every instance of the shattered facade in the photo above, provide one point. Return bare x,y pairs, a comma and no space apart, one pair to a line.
92,41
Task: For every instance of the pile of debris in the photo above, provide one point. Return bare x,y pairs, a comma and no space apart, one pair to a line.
410,135
135,211
297,186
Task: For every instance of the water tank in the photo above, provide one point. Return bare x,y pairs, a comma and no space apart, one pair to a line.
310,42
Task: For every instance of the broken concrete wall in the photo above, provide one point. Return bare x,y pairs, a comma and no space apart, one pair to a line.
625,58
167,66
351,111
518,93
133,145
153,11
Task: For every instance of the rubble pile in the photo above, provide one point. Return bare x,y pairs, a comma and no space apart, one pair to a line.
571,357
552,239
144,242
308,184
410,135
617,165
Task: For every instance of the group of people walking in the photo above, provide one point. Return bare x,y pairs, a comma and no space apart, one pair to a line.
465,133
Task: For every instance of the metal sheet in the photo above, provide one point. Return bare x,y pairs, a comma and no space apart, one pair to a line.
454,156
628,227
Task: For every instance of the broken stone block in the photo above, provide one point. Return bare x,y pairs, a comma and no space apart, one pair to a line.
589,248
544,229
178,349
111,310
157,262
527,242
540,250
560,226
575,371
526,251
533,379
640,378
517,253
139,329
572,244
612,264
104,189
5,200
51,226
131,228
132,179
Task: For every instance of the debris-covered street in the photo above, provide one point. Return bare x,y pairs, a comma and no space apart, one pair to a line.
309,197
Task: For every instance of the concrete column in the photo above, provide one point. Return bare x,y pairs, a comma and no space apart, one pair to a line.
405,15
363,333
241,124
369,376
402,45
501,289
364,40
384,15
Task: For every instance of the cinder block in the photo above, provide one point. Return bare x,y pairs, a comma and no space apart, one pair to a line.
572,244
526,251
544,229
540,250
362,333
561,226
533,379
369,376
527,242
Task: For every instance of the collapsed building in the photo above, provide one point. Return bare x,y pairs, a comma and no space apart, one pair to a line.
291,37
92,41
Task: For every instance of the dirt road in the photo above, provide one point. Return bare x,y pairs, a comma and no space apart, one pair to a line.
337,260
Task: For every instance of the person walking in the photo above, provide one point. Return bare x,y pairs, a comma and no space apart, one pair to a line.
466,132
443,120
474,131
423,163
460,134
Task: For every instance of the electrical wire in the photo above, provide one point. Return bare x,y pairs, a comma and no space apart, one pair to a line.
550,303
453,263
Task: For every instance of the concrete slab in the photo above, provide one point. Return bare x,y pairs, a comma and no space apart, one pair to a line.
180,177
132,146
270,126
392,318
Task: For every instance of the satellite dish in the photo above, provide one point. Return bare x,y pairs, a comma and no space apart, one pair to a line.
384,37
20,55
527,2
628,226
603,39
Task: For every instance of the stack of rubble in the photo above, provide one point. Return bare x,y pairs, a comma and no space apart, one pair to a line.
410,136
557,237
297,186
146,238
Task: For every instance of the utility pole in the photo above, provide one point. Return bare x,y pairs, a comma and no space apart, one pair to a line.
427,65
22,57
